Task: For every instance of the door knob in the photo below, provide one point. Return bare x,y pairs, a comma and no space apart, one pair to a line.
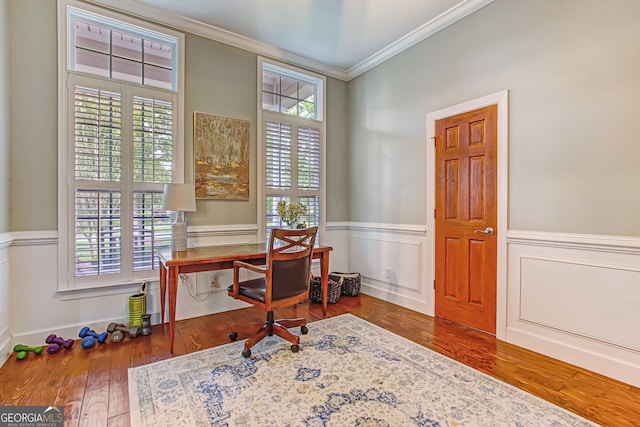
489,231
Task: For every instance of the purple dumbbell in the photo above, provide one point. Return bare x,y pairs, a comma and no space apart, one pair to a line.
55,342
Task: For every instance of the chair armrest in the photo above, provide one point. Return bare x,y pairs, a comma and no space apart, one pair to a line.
237,265
242,264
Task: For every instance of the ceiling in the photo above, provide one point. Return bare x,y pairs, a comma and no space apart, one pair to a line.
342,38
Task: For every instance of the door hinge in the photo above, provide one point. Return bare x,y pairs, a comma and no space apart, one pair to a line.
434,213
434,284
435,141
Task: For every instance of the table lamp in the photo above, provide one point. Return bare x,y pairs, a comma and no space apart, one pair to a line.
180,198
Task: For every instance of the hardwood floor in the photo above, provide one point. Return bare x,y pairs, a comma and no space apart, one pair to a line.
92,384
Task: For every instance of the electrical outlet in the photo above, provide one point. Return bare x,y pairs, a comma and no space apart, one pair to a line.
213,281
387,273
203,283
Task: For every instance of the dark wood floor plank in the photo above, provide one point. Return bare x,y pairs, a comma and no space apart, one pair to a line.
92,384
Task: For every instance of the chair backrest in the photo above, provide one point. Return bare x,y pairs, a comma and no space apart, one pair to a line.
289,261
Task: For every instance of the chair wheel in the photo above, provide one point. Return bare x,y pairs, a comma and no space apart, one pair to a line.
233,336
246,353
295,348
304,329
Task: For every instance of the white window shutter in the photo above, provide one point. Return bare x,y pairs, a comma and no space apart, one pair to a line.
278,162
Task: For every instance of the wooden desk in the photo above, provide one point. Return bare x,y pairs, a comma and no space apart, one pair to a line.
210,258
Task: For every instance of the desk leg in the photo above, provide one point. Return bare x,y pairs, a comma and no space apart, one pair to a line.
163,291
324,280
173,294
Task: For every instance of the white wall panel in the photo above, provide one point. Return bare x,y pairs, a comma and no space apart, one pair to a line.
5,305
576,298
567,294
392,260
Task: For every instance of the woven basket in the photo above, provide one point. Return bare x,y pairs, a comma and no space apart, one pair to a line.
351,282
315,290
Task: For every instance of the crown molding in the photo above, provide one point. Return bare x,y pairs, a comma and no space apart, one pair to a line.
193,26
233,39
438,23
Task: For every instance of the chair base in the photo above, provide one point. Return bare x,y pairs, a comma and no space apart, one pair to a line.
279,327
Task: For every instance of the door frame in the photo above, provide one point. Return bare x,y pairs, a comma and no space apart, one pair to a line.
501,99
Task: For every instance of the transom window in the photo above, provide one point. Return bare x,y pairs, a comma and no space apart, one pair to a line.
109,48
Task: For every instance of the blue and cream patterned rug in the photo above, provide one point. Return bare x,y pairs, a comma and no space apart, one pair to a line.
348,373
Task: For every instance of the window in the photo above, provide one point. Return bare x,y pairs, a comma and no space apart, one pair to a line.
120,143
292,142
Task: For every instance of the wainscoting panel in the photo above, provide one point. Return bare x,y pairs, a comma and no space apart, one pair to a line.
576,298
5,304
612,291
572,297
392,261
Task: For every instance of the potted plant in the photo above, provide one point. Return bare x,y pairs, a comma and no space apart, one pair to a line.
290,213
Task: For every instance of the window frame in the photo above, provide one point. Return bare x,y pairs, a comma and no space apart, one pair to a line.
263,116
66,151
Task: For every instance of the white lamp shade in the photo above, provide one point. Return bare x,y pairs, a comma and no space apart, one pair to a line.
179,197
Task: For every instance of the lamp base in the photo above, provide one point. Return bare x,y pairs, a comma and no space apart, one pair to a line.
179,236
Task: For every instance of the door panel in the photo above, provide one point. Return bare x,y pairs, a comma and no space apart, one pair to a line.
466,171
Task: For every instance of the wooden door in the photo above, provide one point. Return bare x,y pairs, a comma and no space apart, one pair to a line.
466,219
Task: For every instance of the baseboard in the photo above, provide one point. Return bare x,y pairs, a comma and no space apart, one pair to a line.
602,363
36,338
5,346
390,295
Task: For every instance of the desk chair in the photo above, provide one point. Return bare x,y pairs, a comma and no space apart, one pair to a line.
285,282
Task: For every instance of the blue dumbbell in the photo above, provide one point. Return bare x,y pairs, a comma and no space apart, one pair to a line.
91,336
88,342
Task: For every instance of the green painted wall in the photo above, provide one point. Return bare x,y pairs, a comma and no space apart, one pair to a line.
5,116
34,116
219,79
572,70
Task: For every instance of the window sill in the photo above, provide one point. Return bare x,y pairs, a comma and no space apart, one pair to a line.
95,291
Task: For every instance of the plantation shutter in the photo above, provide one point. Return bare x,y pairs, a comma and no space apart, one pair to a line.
278,142
292,168
152,140
119,221
98,167
308,158
152,156
151,229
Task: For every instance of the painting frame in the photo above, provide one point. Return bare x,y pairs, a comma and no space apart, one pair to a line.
221,157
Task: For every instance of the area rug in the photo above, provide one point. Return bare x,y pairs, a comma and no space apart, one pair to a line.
348,372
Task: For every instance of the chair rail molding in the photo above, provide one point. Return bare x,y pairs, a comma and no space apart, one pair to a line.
29,238
595,242
204,235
